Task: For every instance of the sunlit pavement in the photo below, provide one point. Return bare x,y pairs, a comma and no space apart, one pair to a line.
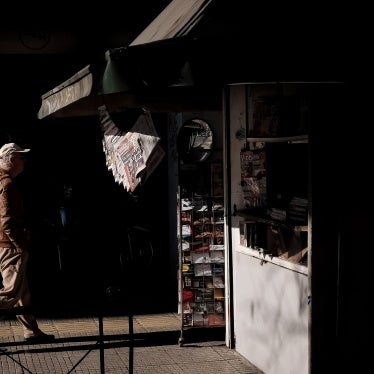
106,345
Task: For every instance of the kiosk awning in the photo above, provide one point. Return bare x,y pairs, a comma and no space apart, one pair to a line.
149,72
191,50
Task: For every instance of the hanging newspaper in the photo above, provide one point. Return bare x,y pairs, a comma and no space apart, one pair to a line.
132,155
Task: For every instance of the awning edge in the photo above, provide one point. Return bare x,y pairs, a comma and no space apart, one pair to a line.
65,94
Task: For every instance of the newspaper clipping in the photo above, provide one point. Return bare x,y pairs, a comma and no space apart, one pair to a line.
133,155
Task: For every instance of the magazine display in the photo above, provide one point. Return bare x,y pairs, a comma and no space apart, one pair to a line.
253,175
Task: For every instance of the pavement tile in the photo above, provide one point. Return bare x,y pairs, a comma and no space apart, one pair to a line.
76,349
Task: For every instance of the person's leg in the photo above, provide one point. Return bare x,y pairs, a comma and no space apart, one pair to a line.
15,291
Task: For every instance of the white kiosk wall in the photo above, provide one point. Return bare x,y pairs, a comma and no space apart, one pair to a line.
270,301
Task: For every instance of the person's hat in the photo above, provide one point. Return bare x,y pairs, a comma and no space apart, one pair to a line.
9,148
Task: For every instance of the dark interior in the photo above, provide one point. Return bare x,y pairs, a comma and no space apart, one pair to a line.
68,152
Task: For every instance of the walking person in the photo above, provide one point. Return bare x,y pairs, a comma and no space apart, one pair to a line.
14,243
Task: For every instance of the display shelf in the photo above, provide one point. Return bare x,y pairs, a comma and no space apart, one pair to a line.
285,240
274,180
257,217
278,139
202,253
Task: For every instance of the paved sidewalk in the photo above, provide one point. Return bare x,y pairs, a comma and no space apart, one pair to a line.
152,348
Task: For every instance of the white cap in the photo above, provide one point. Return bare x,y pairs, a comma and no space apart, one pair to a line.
9,148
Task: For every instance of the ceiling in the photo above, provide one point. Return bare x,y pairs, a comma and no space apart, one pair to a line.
41,45
48,43
50,29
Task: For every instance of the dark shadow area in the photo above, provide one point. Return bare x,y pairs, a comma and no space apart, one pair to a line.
71,271
148,339
77,264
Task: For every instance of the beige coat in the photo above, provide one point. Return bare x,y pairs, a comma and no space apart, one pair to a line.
12,230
